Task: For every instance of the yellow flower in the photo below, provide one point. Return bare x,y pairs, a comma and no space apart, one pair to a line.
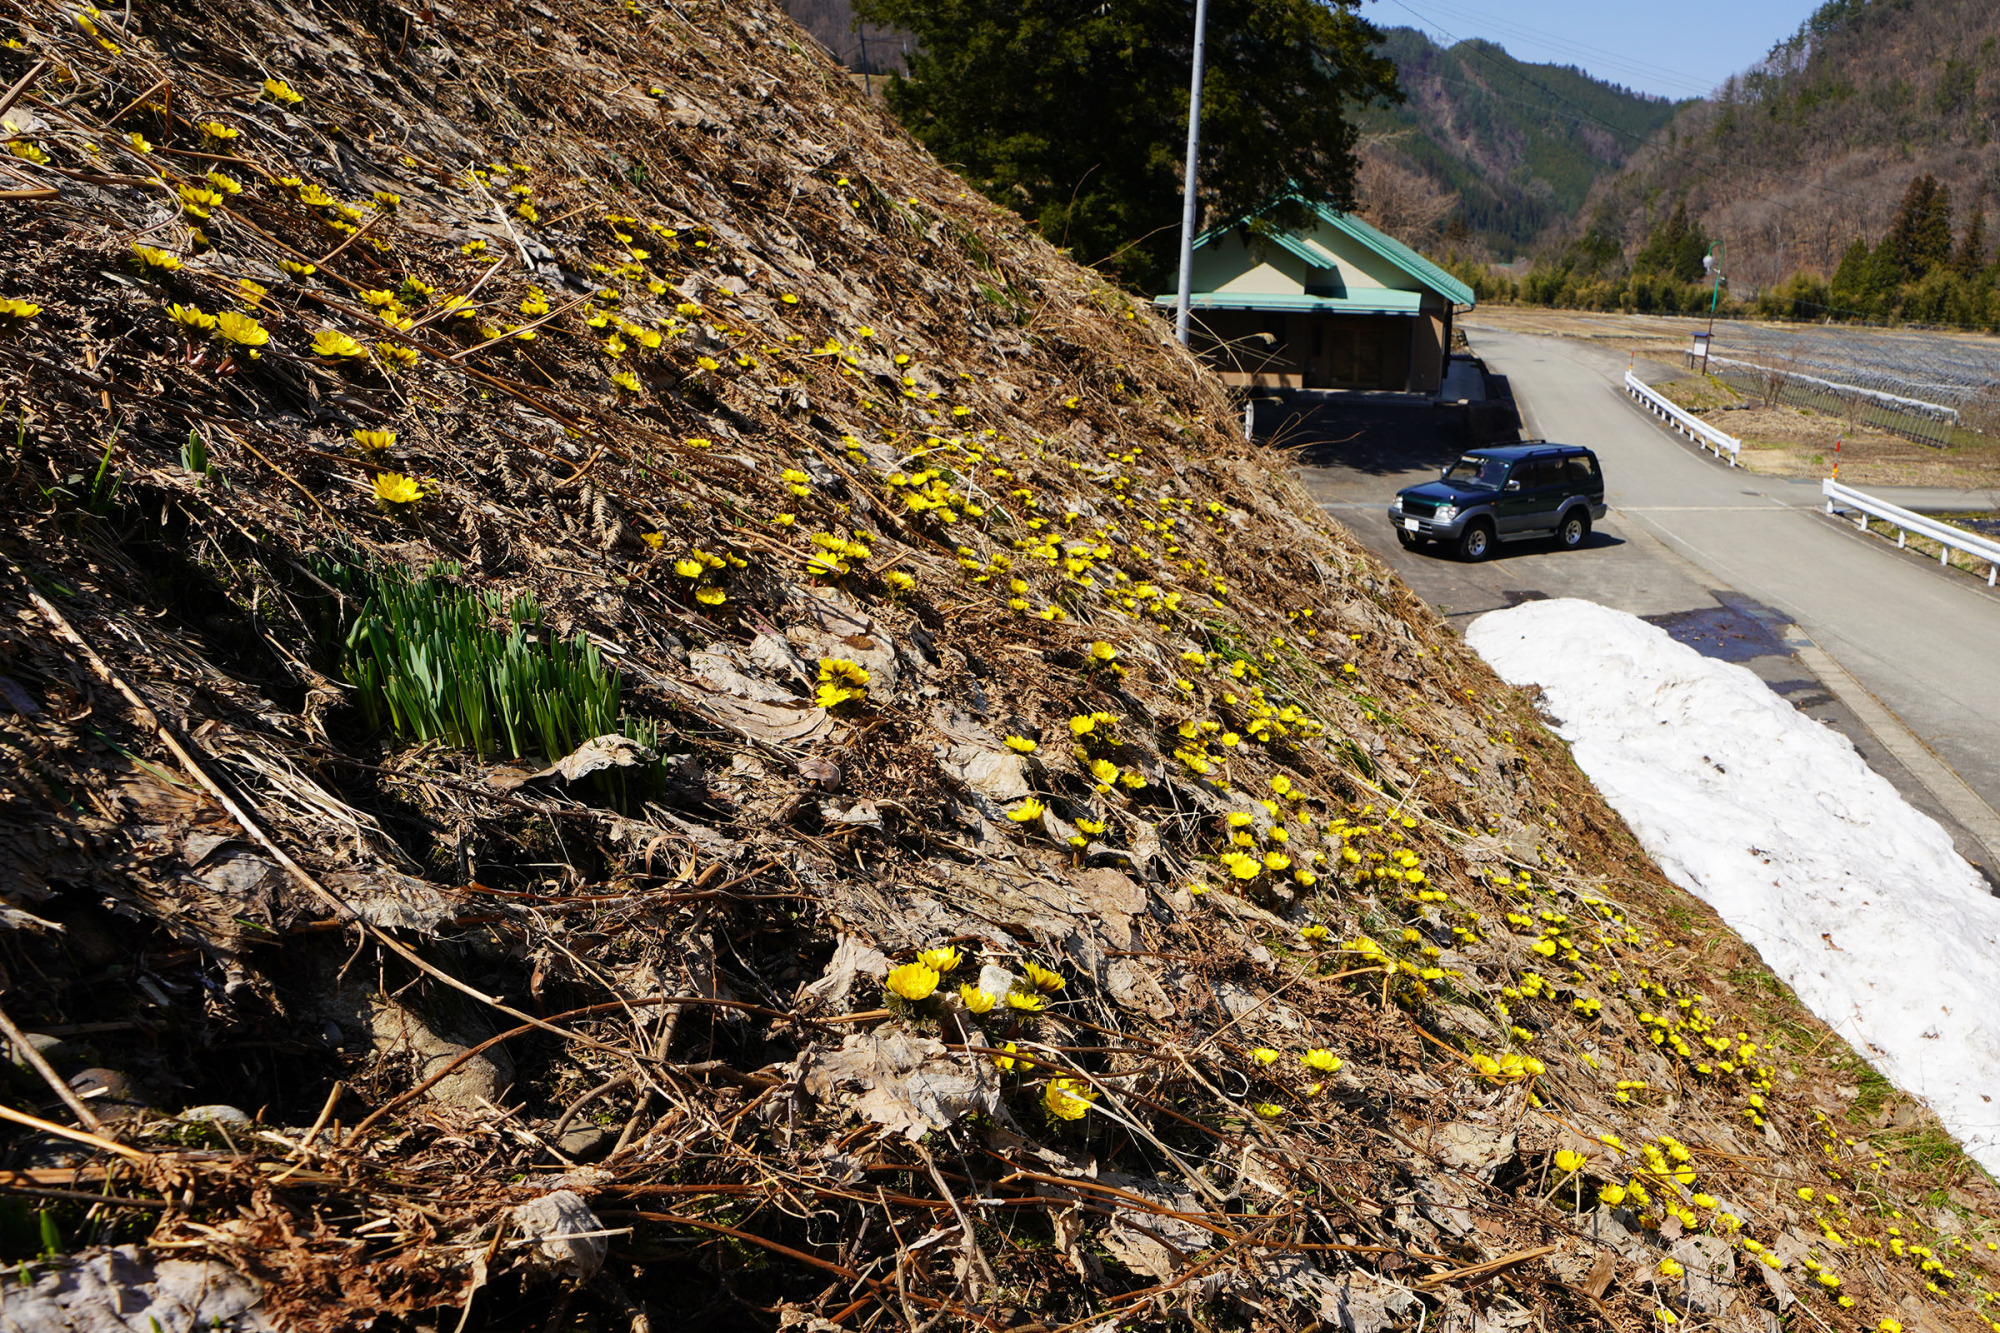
1241,866
1263,1055
241,329
1019,744
944,958
1104,770
627,381
1068,1098
899,580
1042,979
152,258
191,317
332,342
710,596
1324,1061
296,269
1269,1111
1567,1161
1027,812
1026,1001
395,357
280,91
375,439
976,1000
708,363
1103,651
1671,1268
138,142
654,539
396,489
215,129
913,981
1314,933
1011,1059
1611,1195
15,308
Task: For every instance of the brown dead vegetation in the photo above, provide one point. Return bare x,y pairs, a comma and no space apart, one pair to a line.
379,1033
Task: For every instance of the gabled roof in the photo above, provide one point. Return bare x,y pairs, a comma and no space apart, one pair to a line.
1402,256
1389,248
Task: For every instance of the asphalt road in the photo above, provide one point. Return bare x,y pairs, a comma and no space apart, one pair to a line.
1728,562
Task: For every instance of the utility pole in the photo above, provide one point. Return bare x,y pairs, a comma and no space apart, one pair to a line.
1187,183
1712,261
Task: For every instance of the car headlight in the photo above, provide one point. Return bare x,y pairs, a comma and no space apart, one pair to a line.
1446,513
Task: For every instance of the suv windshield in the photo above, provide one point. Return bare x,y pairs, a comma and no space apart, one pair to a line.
1472,470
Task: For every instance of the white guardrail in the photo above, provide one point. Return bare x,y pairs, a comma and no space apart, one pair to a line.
1948,538
1725,446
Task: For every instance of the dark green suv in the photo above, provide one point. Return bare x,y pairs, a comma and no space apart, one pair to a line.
1504,494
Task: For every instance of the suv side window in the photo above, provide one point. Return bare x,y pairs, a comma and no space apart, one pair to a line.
1543,470
1582,469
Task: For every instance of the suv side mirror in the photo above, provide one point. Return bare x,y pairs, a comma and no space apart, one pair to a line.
1514,485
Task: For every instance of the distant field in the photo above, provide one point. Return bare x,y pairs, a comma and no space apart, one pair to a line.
1795,436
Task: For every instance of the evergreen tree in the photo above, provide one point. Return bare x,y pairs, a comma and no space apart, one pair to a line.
1675,249
1919,238
1853,286
1074,112
1970,257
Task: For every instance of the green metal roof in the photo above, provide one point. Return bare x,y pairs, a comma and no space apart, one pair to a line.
1378,301
1402,256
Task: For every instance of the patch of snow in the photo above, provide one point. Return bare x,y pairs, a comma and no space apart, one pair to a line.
1858,901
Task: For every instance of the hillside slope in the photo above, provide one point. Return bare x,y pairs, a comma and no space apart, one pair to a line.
622,707
1512,148
1814,148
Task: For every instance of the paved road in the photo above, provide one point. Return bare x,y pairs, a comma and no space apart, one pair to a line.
1727,561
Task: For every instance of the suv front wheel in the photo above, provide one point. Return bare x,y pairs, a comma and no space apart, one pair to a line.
1573,530
1476,542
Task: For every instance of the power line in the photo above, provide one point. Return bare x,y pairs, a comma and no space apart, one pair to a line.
1517,72
1601,57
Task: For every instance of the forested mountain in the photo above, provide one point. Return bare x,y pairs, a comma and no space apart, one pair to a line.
1488,154
1819,145
1491,151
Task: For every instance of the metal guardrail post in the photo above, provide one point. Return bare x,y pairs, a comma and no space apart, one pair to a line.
1685,423
1948,537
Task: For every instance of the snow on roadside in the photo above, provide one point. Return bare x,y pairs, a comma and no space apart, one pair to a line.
1853,897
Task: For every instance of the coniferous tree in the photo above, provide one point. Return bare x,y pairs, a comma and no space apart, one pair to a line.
1675,248
1919,238
1970,257
1074,112
1853,288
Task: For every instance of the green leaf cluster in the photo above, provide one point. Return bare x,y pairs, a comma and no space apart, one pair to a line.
435,662
1074,112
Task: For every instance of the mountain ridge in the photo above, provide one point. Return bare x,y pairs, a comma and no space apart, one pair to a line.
1508,148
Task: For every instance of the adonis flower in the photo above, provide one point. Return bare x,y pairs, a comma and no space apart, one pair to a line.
913,981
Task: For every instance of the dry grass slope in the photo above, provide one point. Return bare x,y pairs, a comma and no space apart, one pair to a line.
1293,977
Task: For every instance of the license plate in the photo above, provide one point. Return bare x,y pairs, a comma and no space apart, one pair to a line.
1411,524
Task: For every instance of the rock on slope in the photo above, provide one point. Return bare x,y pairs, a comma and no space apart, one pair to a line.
896,587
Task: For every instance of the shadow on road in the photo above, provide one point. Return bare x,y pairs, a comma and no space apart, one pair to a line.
1384,434
1502,551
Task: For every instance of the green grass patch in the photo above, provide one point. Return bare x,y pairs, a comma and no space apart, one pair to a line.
433,661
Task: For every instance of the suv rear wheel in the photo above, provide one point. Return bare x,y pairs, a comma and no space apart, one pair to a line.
1476,542
1574,528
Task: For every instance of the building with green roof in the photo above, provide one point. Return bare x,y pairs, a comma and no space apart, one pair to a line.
1334,305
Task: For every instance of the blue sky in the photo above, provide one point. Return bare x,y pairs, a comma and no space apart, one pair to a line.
1681,48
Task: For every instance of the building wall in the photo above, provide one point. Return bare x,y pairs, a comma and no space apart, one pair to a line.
1277,350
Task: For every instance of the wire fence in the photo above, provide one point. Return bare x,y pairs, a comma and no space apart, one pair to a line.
1934,389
